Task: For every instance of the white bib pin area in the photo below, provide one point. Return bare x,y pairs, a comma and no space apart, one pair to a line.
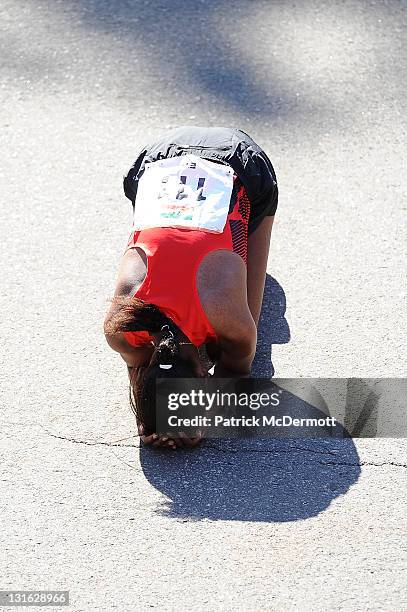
186,192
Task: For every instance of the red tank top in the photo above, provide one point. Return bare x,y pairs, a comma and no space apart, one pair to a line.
173,257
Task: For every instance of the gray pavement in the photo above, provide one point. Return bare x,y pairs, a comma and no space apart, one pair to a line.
283,525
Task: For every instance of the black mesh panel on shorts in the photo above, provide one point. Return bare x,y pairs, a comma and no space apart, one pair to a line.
239,237
239,224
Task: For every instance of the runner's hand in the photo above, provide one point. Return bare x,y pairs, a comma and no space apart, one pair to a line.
168,441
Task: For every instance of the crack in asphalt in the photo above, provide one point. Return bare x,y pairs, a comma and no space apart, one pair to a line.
374,464
246,450
310,450
87,443
259,450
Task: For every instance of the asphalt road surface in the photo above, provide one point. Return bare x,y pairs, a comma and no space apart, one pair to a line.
281,525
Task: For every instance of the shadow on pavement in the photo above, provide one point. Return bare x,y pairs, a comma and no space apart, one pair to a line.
272,329
183,45
252,480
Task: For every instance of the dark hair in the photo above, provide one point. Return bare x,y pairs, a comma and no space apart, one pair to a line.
133,314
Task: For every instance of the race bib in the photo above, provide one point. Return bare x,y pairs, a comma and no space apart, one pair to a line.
185,191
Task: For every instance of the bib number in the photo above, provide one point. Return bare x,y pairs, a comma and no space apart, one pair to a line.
185,191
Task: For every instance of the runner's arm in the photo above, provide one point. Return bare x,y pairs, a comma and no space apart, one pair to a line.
237,353
134,356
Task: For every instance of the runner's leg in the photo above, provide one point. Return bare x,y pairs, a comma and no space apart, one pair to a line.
258,245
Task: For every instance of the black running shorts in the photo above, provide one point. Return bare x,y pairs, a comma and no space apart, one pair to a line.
225,145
